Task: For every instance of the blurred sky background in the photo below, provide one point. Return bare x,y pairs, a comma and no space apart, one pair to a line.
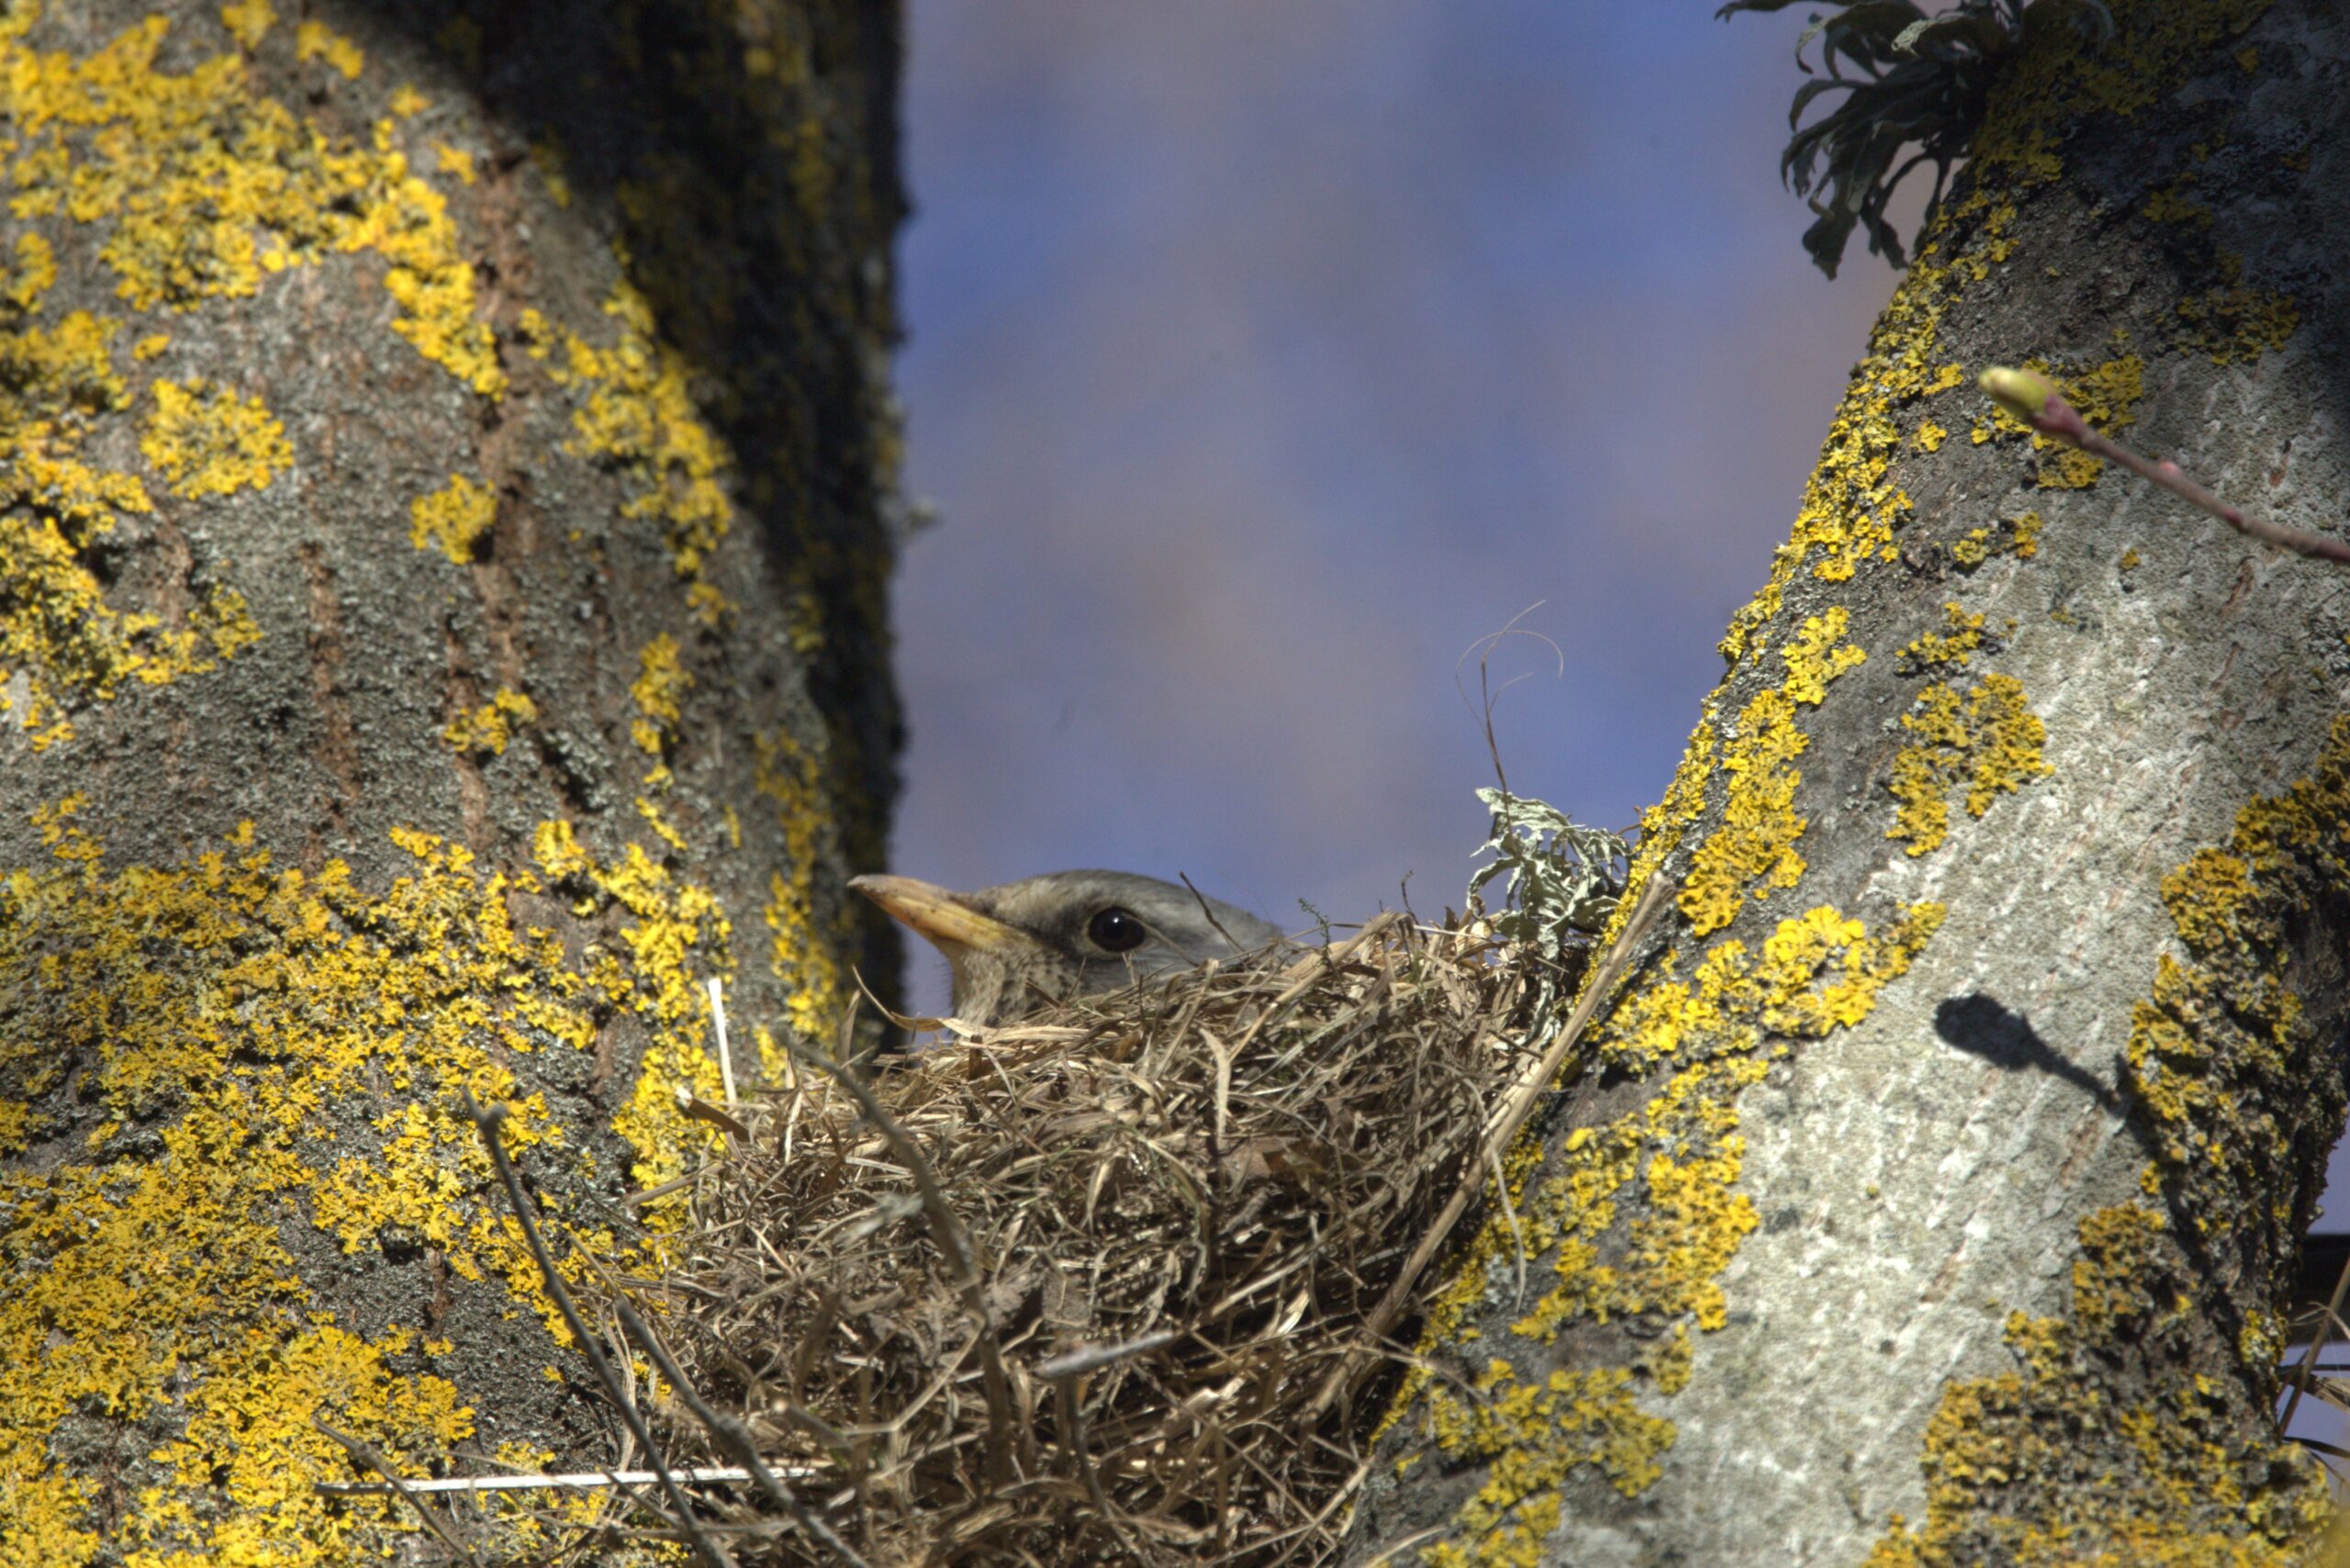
1266,354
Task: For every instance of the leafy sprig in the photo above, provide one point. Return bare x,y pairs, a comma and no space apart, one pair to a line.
1910,79
1562,878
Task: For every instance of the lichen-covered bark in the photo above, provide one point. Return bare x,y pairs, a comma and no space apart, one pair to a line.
446,475
1931,1189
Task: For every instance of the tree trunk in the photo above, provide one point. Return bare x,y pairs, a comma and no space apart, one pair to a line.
448,496
1931,1189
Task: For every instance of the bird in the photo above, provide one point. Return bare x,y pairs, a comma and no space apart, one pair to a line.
1065,934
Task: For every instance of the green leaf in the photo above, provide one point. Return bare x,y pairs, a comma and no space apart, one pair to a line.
1909,79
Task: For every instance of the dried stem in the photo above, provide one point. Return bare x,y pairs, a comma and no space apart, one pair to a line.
441,1525
1509,1117
2308,1366
732,1436
560,1481
486,1122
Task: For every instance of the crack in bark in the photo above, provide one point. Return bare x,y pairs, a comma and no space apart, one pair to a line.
338,752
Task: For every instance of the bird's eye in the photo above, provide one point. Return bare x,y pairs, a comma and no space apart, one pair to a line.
1116,930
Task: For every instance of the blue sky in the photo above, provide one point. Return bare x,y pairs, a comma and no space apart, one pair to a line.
1264,357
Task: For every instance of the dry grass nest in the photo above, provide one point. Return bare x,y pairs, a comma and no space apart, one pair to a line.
1117,1282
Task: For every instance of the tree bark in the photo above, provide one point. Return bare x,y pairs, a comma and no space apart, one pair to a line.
446,500
1930,1192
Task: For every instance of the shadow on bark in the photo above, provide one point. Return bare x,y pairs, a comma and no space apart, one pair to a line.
743,160
1983,1026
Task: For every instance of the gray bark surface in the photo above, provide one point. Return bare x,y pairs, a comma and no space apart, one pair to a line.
396,229
1983,1238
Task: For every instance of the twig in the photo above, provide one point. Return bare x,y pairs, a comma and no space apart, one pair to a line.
1484,648
486,1123
566,1481
694,1108
1517,1104
1072,1411
732,1435
443,1526
2303,1373
1093,1358
953,1240
676,1184
2034,399
726,1056
1208,911
1337,1496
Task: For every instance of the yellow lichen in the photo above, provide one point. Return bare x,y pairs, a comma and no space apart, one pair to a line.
1948,649
315,40
50,375
2234,324
2171,204
297,1049
2047,1467
489,727
1535,1436
663,828
206,441
31,274
1752,851
56,628
1663,825
454,519
1989,740
200,187
803,947
660,686
249,21
1671,1166
2017,536
2214,1046
639,416
1852,504
454,161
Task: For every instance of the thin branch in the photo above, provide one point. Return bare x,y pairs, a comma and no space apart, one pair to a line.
2034,399
566,1481
1487,697
1209,911
731,1436
485,1122
1093,1358
1072,1411
2308,1368
1510,1116
440,1524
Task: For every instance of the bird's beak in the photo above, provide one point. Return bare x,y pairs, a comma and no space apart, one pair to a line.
941,916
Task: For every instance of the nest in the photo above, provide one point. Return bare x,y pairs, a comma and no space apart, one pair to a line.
1116,1283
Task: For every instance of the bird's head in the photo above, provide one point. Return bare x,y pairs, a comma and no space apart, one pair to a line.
1064,934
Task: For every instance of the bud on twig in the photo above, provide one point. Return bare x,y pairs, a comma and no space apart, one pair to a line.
2034,399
